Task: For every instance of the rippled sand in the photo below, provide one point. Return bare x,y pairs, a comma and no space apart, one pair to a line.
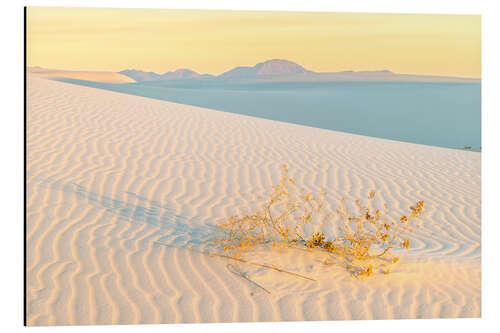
111,176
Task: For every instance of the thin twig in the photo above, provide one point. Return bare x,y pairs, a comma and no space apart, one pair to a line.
247,262
261,265
243,275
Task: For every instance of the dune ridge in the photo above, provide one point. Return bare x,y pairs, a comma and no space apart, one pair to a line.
96,76
121,187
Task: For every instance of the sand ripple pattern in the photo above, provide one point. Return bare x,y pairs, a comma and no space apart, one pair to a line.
110,176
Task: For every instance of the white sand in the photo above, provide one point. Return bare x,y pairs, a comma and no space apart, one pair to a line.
110,174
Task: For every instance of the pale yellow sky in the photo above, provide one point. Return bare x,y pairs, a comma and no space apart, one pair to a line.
162,40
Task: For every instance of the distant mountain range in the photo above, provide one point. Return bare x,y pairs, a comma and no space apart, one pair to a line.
278,70
141,76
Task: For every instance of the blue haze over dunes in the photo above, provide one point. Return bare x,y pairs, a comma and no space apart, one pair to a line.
430,110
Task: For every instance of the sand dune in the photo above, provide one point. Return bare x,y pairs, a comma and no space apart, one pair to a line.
120,187
109,77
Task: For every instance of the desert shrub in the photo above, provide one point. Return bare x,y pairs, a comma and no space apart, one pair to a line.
280,221
367,237
294,217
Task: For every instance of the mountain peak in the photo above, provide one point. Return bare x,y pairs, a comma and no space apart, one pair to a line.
268,67
279,66
140,76
181,73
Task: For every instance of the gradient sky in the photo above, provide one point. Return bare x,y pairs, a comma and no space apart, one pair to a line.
213,41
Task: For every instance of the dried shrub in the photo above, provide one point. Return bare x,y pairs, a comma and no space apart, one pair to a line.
292,216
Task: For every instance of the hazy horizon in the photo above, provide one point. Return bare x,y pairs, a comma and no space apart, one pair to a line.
249,65
214,41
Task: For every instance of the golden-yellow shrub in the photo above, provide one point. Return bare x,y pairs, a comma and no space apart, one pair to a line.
363,246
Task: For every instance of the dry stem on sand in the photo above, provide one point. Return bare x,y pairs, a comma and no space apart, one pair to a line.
293,216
